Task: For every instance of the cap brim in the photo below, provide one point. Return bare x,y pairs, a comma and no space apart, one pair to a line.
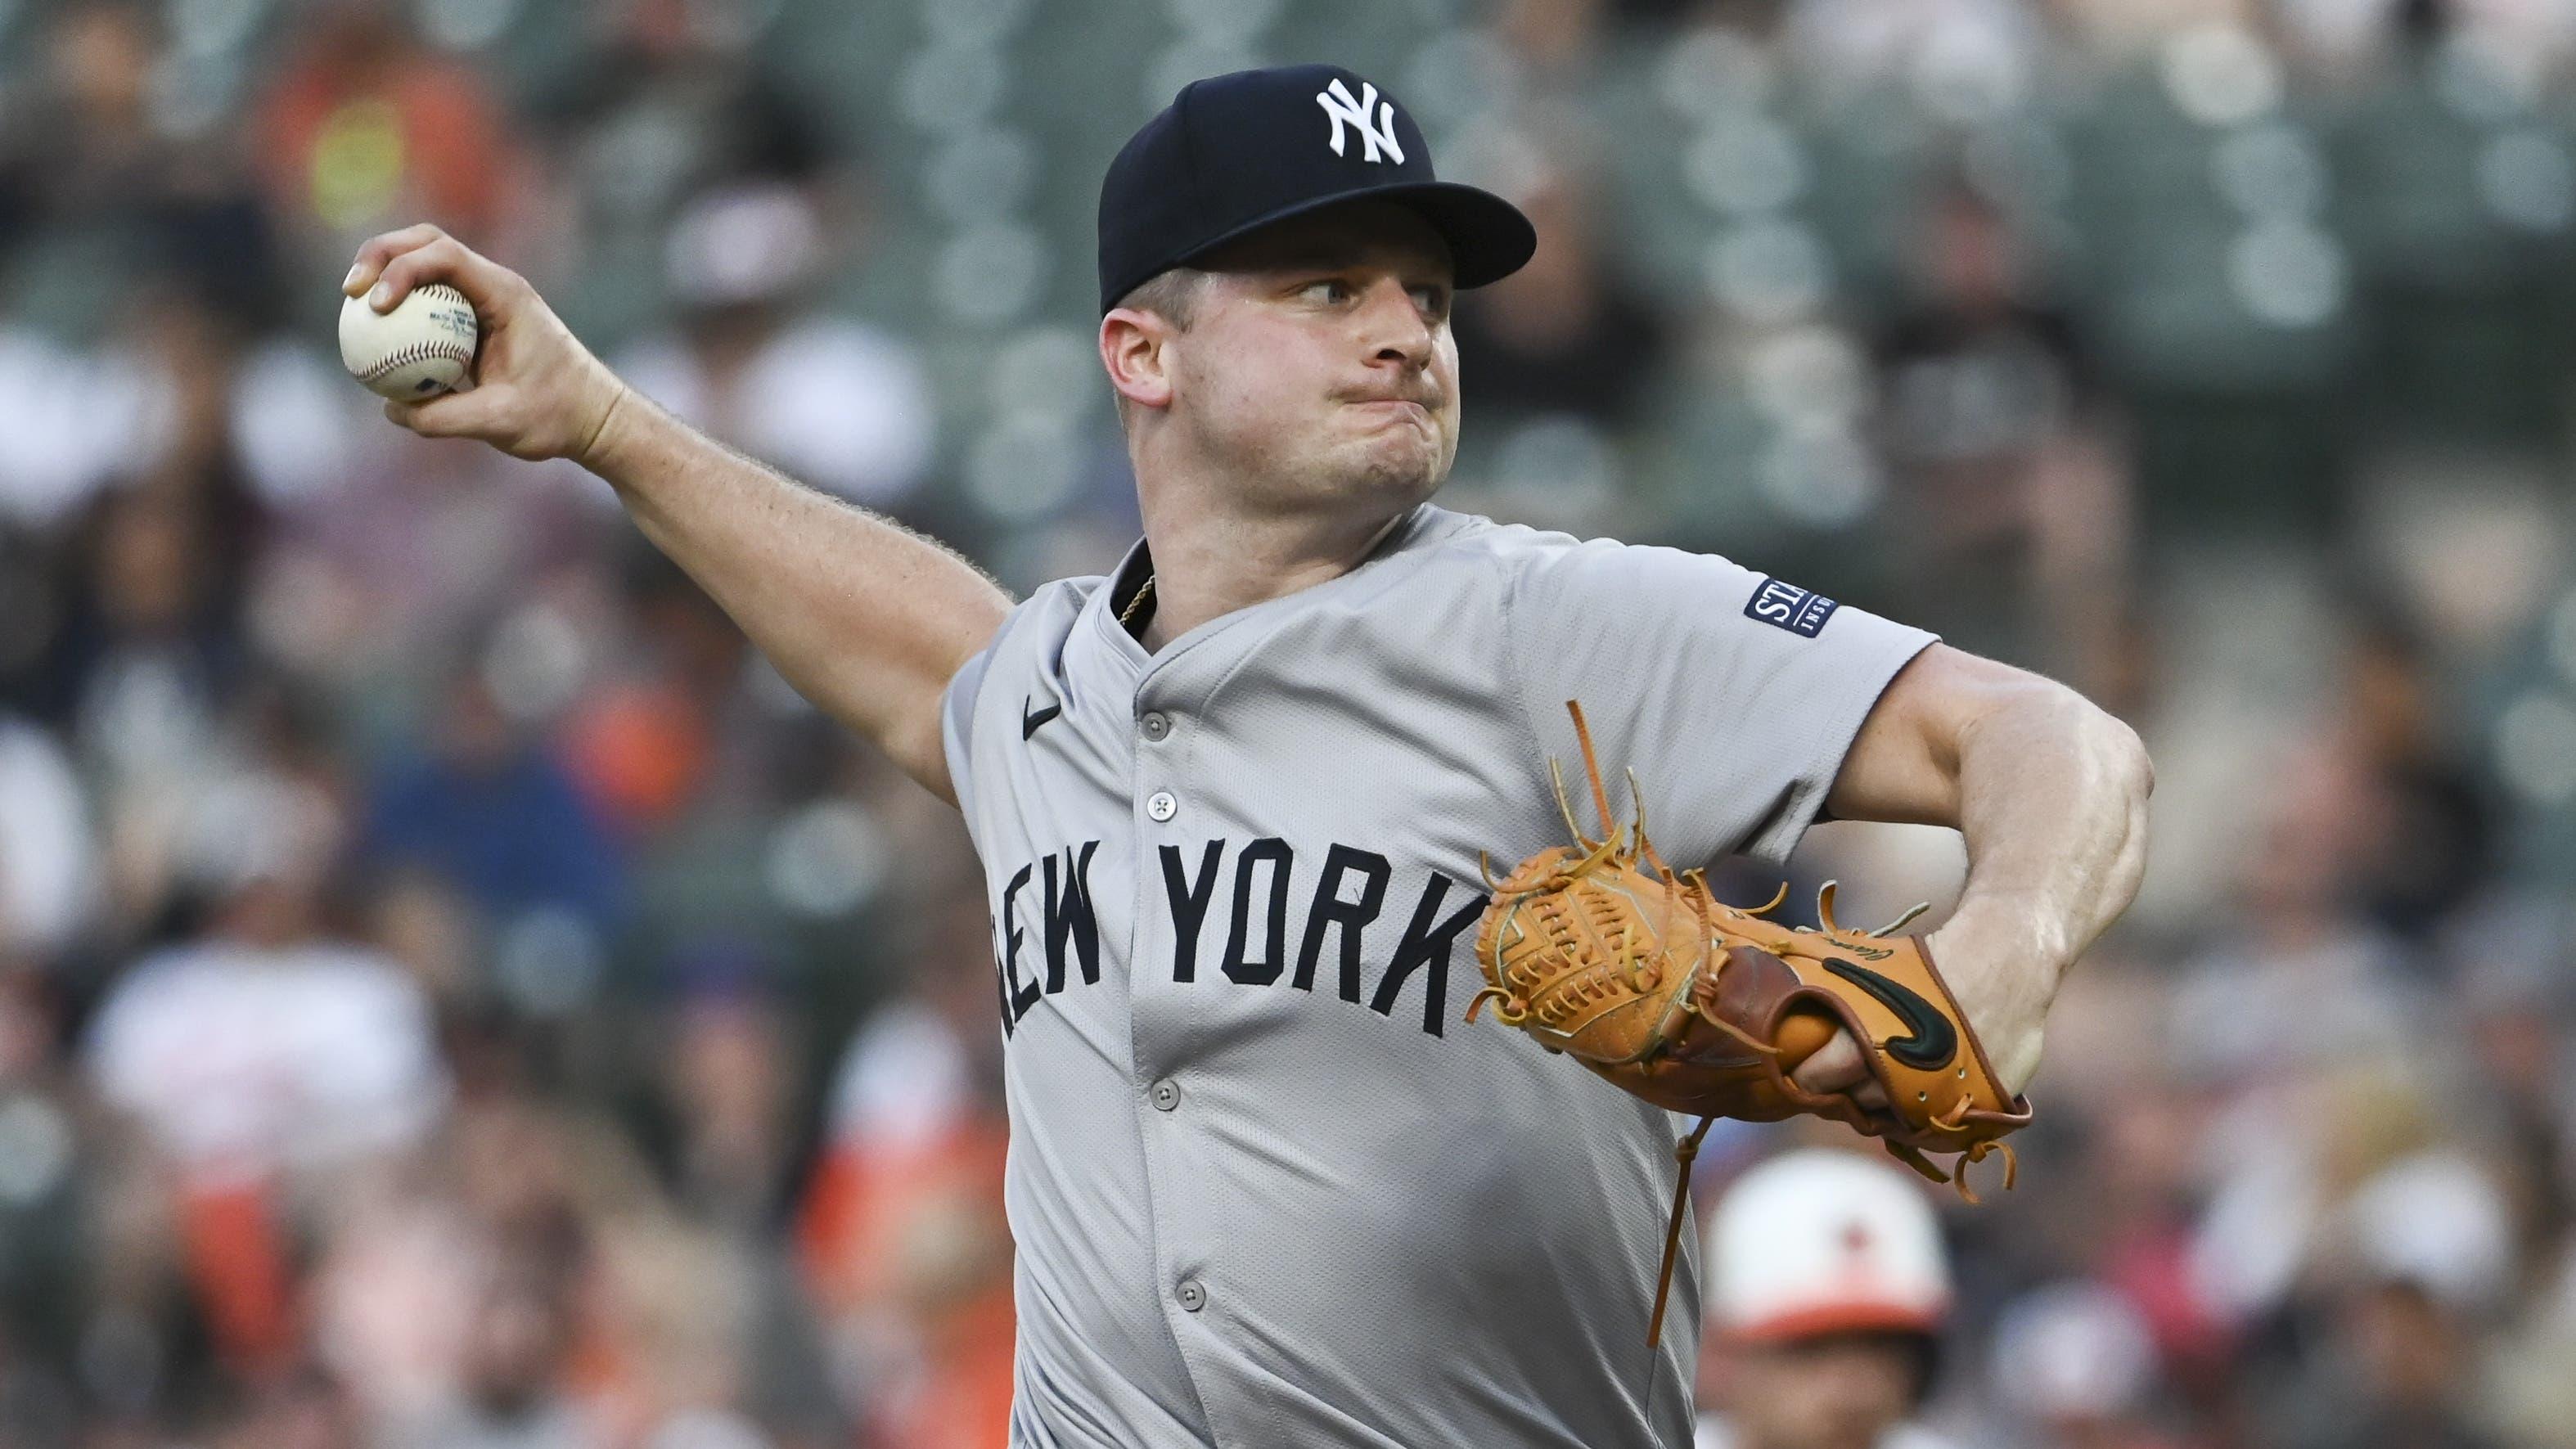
1488,237
1838,1318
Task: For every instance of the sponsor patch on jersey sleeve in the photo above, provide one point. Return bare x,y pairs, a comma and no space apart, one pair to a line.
1786,606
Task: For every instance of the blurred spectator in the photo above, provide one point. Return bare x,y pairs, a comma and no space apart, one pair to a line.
835,402
2534,1399
493,813
1569,334
363,129
1564,357
669,103
47,890
2509,954
48,1178
2416,1269
94,95
900,1230
1828,1288
2077,1363
146,662
517,1341
307,1410
723,1075
104,181
264,1057
645,743
2434,840
2006,491
148,410
2303,981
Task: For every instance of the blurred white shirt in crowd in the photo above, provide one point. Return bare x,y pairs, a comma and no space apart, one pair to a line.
904,1083
48,875
833,402
242,1061
69,421
73,421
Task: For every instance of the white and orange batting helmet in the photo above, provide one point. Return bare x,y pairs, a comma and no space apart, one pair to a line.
1823,1241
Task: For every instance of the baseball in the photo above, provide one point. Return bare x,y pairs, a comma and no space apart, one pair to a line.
420,348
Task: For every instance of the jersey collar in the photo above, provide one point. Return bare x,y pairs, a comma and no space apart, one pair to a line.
1421,524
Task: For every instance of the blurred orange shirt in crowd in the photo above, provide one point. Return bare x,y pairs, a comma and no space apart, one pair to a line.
914,1230
366,130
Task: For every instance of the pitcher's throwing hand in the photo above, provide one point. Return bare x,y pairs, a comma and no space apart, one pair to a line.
538,393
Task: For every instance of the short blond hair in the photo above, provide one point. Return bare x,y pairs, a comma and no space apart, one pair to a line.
1171,295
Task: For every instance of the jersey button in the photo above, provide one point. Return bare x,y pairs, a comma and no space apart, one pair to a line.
1155,725
1162,805
1192,1296
1165,1096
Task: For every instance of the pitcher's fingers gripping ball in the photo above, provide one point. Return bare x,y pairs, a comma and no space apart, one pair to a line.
1601,952
420,348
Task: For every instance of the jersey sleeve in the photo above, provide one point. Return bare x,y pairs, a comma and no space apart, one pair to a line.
1733,696
957,722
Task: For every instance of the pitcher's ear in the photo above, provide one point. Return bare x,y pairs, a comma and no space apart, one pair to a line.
1134,350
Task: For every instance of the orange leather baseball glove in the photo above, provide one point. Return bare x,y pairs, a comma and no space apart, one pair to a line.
1603,953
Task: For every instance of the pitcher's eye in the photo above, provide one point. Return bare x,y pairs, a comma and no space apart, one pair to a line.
1326,290
1434,300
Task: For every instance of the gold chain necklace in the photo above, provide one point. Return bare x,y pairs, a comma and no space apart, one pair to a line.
1144,591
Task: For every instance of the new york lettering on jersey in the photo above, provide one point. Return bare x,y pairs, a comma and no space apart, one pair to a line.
1286,922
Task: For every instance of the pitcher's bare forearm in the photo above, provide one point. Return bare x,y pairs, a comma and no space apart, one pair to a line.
2051,795
865,617
2053,804
869,619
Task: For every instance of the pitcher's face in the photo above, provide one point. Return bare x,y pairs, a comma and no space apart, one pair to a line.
1318,363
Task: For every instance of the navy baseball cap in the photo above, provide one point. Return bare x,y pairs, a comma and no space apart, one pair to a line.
1234,153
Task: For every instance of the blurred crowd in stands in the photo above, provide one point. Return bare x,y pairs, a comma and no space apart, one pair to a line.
453,995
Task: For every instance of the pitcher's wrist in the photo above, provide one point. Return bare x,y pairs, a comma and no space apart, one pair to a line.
610,445
1998,962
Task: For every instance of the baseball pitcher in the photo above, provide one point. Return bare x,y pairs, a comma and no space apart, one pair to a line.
1244,805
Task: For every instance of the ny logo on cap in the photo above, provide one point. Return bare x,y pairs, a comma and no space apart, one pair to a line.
1377,131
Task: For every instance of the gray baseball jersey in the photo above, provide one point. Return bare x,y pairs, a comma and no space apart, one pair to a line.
1267,1187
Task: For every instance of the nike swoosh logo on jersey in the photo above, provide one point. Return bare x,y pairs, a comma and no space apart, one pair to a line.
1029,722
1930,1042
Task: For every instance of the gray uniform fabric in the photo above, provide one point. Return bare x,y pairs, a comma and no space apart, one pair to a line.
1268,1190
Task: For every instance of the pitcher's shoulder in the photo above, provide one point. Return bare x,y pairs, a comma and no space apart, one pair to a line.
1461,549
1043,619
1473,535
